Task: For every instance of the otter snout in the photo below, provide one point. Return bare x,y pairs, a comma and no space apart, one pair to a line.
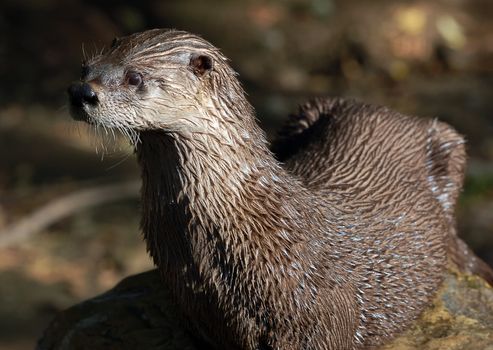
81,94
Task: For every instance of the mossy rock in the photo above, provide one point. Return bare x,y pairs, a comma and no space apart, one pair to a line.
138,314
460,318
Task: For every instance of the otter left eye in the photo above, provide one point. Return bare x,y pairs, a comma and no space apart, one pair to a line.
134,78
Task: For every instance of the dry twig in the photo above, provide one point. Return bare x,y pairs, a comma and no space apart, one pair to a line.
65,206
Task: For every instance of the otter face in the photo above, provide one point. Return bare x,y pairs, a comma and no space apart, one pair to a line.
158,79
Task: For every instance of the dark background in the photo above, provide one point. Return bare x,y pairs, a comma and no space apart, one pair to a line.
428,58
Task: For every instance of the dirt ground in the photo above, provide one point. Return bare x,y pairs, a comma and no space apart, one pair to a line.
432,59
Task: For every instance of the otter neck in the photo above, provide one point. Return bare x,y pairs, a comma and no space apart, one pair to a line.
202,195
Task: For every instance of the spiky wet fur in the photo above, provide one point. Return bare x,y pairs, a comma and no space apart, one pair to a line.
340,247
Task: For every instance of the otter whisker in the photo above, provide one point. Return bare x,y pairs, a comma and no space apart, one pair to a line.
84,54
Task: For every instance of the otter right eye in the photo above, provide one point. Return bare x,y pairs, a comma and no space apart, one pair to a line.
134,78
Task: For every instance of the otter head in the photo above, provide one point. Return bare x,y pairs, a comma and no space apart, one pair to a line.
158,80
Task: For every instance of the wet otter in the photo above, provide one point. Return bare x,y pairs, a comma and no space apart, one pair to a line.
339,247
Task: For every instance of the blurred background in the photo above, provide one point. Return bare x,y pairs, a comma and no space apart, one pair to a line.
428,58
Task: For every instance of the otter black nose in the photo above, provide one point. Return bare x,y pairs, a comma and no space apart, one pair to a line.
80,94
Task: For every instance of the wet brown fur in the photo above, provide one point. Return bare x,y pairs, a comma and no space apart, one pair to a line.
340,246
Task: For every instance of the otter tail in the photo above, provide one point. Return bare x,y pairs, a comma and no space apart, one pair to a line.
463,257
446,160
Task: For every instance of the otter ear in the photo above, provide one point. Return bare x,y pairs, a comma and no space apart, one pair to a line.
116,41
201,64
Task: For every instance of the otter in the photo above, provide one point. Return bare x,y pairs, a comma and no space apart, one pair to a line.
336,237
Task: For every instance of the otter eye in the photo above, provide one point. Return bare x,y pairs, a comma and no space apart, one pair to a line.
133,78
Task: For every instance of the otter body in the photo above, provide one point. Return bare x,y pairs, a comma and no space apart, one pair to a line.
340,246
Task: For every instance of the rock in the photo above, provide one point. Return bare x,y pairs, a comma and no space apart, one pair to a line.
139,314
136,314
460,317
